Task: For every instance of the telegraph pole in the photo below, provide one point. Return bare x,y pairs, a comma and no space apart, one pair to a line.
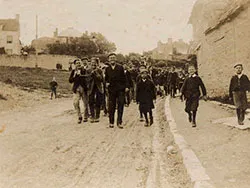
36,65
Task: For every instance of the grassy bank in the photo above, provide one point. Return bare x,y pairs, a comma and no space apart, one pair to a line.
35,78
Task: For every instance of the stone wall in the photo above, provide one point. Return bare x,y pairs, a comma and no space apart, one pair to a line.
43,61
219,51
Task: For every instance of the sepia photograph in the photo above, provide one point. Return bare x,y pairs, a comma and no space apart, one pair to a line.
124,93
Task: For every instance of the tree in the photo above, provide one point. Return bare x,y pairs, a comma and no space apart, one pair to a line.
86,45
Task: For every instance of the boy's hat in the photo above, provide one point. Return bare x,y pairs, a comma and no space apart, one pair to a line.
238,64
144,70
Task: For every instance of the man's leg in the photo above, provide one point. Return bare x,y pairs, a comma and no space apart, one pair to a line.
98,102
151,117
111,108
194,119
120,98
76,103
92,105
85,100
146,119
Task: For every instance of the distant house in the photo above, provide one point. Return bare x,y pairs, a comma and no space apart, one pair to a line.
221,34
64,36
10,35
166,50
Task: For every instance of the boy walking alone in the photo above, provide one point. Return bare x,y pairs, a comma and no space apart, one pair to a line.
191,91
145,94
239,84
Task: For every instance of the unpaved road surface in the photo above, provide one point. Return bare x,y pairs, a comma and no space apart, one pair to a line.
43,146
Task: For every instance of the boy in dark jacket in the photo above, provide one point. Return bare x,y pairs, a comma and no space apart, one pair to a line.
145,94
239,84
53,85
191,91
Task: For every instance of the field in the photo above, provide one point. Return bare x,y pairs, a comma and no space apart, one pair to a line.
31,79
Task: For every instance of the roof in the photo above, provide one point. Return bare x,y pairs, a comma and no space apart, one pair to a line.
229,13
208,9
10,24
70,32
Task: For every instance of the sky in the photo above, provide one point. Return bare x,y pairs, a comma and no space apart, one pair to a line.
133,25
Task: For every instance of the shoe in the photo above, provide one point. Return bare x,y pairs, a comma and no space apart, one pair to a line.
92,120
146,124
79,120
111,125
240,123
97,120
194,124
119,125
85,120
141,119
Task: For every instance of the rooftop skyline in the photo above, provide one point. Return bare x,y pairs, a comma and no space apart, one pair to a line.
134,26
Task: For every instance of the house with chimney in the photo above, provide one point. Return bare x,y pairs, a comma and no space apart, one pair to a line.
10,36
64,36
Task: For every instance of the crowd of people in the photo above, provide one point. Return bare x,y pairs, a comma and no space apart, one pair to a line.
111,86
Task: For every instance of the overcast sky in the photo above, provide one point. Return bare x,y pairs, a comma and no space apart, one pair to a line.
133,25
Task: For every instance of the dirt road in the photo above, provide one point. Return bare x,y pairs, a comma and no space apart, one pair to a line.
43,146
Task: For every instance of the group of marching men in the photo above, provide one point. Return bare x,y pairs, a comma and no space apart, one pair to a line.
113,86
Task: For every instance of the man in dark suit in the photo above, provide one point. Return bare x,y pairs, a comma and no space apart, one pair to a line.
116,83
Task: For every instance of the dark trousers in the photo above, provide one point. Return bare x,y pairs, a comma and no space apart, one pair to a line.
150,115
127,97
95,101
240,114
53,91
119,97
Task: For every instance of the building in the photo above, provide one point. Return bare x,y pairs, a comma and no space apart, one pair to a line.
166,50
10,35
221,31
41,43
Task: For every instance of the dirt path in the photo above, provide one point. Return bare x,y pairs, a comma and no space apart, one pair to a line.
43,146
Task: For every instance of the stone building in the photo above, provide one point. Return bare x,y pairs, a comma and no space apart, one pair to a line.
10,35
64,36
221,33
165,50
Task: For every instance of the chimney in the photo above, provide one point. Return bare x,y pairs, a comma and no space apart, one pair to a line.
56,33
17,17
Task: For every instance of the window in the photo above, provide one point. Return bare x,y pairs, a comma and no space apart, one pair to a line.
9,39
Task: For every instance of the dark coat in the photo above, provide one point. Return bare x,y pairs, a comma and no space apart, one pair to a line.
53,84
77,81
145,94
116,78
237,84
95,79
128,78
191,87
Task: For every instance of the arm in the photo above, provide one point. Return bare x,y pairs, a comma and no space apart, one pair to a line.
231,88
72,77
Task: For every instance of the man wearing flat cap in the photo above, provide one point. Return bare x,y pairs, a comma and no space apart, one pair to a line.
239,85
